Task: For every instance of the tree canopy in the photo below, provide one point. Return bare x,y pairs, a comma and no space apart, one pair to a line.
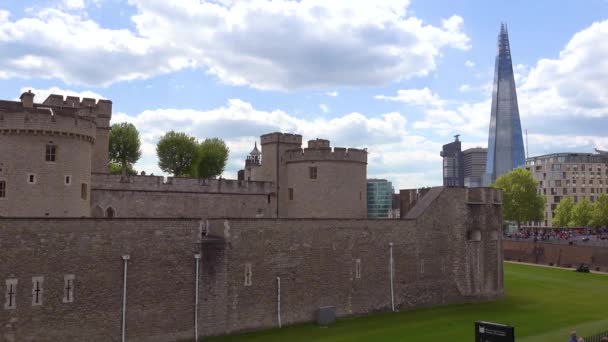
125,145
563,213
211,158
521,202
116,169
581,213
176,152
599,213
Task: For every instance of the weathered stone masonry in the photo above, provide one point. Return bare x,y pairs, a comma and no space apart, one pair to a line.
448,251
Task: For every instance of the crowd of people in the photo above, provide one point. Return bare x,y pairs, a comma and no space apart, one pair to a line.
560,234
573,338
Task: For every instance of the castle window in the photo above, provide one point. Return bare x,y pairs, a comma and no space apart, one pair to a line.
31,178
290,194
110,212
312,172
248,274
68,180
68,288
51,152
11,294
358,269
2,189
83,191
37,290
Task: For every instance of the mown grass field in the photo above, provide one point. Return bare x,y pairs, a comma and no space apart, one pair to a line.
543,304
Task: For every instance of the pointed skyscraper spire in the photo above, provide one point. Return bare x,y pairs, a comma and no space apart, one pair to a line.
505,140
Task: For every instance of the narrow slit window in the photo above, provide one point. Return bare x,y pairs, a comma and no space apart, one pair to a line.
248,274
2,189
83,191
68,180
68,288
37,290
11,294
358,269
51,153
31,178
312,172
290,194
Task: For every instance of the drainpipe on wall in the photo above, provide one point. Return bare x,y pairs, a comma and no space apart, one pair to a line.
390,265
125,259
197,257
279,300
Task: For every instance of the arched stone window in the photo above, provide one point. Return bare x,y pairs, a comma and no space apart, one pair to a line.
110,212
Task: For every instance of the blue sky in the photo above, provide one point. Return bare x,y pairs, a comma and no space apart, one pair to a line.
398,77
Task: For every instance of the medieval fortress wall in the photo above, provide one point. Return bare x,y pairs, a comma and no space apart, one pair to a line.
74,239
65,277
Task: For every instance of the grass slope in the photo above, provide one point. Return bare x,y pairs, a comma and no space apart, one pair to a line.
543,304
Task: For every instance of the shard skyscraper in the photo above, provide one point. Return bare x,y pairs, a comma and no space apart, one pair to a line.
505,141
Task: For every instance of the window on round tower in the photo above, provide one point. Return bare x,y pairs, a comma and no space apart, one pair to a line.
51,153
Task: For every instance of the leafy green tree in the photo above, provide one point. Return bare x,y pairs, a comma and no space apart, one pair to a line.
176,152
125,145
211,158
581,213
563,213
599,214
116,169
520,200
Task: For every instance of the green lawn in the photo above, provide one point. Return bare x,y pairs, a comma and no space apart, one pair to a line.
543,304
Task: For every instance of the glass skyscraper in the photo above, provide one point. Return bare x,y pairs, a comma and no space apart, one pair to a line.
505,141
379,198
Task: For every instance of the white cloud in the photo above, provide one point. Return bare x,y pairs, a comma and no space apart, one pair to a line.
391,148
332,93
418,97
42,94
280,44
464,88
469,64
324,108
73,4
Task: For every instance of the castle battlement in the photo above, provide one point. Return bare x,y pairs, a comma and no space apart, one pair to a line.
178,184
285,138
88,106
326,154
40,121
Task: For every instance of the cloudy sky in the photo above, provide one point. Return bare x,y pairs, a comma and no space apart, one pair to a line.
398,77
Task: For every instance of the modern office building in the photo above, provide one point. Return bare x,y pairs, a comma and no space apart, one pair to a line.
463,168
452,163
575,175
505,140
379,198
474,166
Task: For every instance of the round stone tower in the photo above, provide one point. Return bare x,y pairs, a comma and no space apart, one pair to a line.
325,183
46,154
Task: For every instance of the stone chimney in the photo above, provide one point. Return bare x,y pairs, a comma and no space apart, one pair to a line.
27,99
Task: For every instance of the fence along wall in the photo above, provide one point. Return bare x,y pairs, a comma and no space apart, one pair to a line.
447,254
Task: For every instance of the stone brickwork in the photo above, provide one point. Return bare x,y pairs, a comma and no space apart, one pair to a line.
157,196
557,254
449,252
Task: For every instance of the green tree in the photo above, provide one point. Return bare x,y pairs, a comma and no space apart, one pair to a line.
125,145
211,158
116,169
581,213
599,214
563,213
520,200
176,152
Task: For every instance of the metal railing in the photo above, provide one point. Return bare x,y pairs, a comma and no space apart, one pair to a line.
596,337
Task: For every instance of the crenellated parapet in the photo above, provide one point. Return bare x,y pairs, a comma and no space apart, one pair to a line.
40,120
285,138
178,184
85,107
341,154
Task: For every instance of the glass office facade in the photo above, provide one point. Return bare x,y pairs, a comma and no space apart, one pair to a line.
505,140
379,198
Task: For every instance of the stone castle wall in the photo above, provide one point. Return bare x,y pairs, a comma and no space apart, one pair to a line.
157,196
449,253
557,254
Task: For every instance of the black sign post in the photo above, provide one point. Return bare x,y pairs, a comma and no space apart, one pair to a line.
493,332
